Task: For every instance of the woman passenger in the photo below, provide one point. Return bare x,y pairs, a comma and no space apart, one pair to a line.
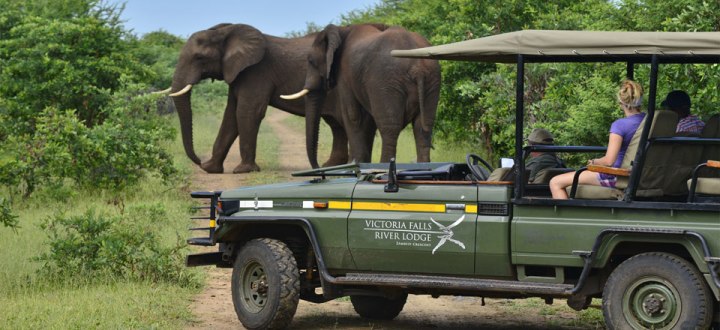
621,132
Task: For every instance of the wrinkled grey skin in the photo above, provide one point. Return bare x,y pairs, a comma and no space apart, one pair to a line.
374,89
257,68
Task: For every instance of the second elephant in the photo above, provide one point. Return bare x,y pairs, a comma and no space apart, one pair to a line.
374,89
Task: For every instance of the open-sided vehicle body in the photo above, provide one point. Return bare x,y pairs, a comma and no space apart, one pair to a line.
376,232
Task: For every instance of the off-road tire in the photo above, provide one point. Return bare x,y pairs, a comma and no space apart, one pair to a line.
657,290
378,308
265,284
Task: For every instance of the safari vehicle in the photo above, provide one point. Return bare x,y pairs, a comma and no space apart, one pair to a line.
378,232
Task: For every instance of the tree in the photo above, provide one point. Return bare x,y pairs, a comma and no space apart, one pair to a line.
70,99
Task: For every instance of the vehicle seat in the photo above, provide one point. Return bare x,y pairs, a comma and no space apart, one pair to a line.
655,166
499,173
709,182
544,176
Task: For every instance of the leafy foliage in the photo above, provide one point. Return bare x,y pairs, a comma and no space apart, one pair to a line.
159,51
71,103
102,247
7,217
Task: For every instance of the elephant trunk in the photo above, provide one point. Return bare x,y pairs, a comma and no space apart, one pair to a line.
313,103
184,110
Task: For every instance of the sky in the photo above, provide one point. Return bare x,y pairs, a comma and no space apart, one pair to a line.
273,17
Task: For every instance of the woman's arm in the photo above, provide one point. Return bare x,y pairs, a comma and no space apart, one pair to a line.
613,149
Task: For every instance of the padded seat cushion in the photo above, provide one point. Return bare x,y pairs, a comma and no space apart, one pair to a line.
545,175
596,192
498,174
707,186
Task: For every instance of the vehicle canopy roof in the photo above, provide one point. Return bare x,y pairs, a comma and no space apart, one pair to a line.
577,46
543,46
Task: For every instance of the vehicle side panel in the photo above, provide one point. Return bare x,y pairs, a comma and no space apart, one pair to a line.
541,235
295,200
492,257
423,228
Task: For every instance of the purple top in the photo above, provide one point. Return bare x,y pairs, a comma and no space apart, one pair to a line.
690,124
625,127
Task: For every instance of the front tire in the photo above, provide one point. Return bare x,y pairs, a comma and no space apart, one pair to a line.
265,284
657,291
378,308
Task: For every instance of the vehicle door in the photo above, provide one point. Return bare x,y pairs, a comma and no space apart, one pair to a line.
422,228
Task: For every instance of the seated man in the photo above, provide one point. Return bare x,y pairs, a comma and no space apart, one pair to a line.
679,102
539,161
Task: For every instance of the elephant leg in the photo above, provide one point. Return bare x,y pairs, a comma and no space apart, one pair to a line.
423,141
389,136
339,153
388,112
360,131
369,129
249,115
226,136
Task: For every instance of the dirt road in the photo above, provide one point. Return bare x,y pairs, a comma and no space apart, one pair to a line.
214,310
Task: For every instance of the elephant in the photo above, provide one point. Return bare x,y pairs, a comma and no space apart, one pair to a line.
257,68
375,91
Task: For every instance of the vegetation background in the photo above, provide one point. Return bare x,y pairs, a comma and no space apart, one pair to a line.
93,183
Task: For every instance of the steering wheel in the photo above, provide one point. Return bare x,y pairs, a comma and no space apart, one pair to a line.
481,173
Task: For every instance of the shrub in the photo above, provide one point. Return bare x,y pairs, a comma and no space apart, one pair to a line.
7,218
98,246
116,154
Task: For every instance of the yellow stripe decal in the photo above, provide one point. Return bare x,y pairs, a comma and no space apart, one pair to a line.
411,207
341,205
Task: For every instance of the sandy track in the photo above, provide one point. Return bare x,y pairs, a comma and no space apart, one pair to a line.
213,307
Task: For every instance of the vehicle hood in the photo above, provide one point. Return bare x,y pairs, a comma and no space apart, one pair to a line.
313,189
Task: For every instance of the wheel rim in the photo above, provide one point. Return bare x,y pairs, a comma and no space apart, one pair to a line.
652,303
254,287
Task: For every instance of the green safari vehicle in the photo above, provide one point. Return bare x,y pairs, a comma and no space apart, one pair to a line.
378,232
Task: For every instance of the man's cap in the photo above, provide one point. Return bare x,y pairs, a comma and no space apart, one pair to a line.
676,99
540,136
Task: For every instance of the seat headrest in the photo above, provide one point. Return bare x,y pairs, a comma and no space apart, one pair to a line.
664,124
712,127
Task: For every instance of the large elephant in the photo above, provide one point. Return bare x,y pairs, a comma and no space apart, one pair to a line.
375,90
257,68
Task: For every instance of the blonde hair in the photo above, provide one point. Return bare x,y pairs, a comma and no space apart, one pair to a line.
630,94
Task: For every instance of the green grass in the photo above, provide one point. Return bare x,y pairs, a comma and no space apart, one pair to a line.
31,302
120,305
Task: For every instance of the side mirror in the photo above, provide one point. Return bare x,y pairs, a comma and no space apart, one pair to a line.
392,185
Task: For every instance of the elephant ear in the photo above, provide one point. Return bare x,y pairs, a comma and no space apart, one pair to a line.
244,46
333,41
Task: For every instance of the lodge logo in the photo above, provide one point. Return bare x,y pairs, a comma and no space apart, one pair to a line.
414,233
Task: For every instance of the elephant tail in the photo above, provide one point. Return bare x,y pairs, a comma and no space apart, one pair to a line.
424,116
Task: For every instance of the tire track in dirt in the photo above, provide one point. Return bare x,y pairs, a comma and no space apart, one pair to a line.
213,308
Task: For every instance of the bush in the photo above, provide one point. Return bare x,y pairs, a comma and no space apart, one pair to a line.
102,247
116,154
7,218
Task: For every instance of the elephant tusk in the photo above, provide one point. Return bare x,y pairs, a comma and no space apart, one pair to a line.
296,95
164,91
182,91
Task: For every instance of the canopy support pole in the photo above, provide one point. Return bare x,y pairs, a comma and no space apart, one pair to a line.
519,117
630,71
643,146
